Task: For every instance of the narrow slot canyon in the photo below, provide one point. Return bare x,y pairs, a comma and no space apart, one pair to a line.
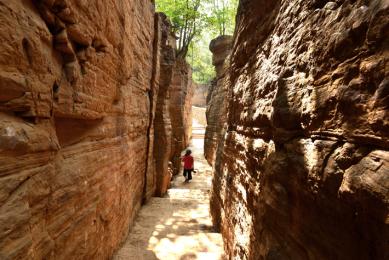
178,225
287,122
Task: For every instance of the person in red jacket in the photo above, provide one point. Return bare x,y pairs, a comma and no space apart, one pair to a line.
188,165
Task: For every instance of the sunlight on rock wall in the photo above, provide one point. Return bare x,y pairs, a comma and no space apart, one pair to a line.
302,170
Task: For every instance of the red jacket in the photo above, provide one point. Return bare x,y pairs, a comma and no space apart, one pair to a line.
188,162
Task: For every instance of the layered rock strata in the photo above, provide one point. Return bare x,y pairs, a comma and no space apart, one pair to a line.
217,99
173,115
303,170
180,108
79,88
162,123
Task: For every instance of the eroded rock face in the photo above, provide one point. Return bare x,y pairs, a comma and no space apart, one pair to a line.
303,171
79,88
173,116
162,122
180,108
217,98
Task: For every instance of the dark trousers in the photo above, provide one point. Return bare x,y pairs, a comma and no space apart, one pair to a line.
188,173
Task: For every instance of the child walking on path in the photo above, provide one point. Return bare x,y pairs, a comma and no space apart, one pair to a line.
188,165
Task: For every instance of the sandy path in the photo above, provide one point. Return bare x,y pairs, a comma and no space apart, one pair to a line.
177,226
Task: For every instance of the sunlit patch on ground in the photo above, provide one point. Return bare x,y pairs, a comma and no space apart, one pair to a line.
177,226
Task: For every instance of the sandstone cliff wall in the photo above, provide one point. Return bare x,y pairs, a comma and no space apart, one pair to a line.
162,122
217,98
79,88
180,108
303,170
173,116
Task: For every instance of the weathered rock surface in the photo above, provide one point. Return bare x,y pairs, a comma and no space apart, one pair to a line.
173,116
79,91
180,108
303,171
217,98
162,122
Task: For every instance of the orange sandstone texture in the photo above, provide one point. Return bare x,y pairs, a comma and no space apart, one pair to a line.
79,82
180,108
303,170
162,123
217,97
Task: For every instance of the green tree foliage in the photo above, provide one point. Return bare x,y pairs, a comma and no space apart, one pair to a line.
196,23
187,21
200,58
222,18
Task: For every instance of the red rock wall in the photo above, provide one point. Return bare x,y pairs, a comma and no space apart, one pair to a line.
303,170
76,85
217,97
162,122
150,185
172,97
180,108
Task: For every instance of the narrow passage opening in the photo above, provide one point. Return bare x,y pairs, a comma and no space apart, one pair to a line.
178,225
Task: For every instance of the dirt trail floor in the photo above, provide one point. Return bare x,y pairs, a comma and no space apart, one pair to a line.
177,226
